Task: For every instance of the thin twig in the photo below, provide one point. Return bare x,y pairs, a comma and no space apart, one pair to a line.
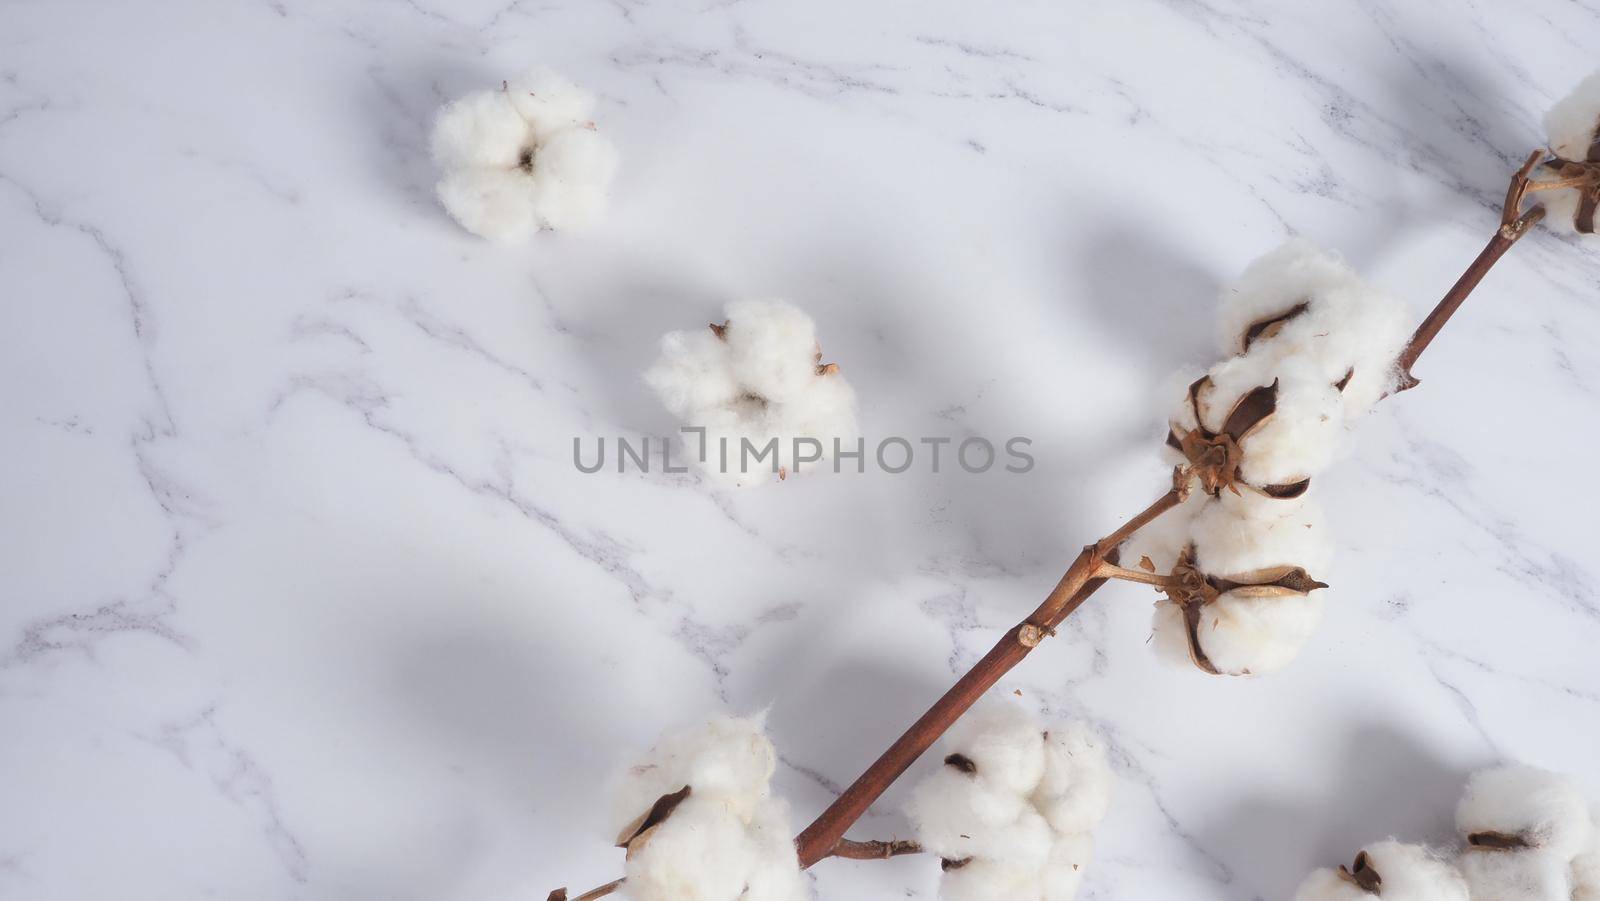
1113,571
560,894
873,850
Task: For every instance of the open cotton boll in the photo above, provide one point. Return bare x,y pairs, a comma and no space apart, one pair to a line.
1243,634
522,157
699,824
1403,872
1543,809
1004,742
1236,534
729,757
1571,124
755,378
1344,327
1075,790
1520,875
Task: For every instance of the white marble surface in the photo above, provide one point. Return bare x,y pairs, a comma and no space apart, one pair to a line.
303,597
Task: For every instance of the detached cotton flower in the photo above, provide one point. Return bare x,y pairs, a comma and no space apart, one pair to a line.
699,821
1012,809
1525,830
1569,185
523,157
756,378
1389,870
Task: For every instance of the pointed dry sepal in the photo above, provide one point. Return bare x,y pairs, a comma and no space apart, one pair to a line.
1192,590
1215,457
1363,875
636,834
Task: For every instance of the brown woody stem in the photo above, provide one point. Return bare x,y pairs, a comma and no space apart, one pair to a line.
873,850
1513,225
560,894
1112,571
1075,587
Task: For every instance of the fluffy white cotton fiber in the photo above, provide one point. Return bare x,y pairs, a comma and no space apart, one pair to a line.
757,379
1407,873
1249,629
1572,123
728,839
1544,809
1013,806
523,157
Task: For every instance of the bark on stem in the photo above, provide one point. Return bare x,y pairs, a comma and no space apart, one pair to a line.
1075,587
873,850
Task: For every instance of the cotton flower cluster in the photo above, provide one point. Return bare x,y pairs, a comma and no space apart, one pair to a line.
1312,348
1012,810
699,821
758,387
1573,129
523,157
1529,836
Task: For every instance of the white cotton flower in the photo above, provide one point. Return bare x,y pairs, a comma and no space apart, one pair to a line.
1571,124
722,836
1545,810
522,157
1346,327
1011,809
756,384
1249,628
1402,872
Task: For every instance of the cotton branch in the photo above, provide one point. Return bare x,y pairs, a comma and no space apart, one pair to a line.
1084,577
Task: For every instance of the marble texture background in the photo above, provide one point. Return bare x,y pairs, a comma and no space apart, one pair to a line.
304,598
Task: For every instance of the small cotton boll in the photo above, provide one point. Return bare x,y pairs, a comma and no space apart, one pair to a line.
956,816
1303,433
1545,809
521,158
757,379
1004,741
1520,875
1235,534
1244,634
1075,791
1571,123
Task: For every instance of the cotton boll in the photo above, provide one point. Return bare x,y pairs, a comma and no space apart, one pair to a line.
1243,633
756,378
1571,123
1236,534
1347,327
1075,790
1303,433
1545,809
1004,742
700,854
729,758
1519,875
572,172
490,203
521,158
956,816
